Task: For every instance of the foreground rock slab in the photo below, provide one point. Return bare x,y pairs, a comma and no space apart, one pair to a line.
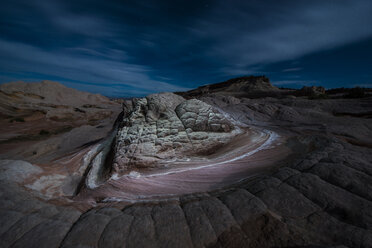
295,206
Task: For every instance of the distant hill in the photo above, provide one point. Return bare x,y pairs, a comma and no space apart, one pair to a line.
260,86
241,86
49,92
44,120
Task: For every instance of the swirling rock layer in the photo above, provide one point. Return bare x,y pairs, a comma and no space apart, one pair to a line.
319,196
321,199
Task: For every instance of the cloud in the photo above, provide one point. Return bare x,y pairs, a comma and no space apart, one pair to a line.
113,74
292,69
294,31
142,46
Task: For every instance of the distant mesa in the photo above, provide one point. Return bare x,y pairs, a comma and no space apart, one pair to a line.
241,86
260,87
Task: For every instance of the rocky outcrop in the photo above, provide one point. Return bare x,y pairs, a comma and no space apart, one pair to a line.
45,120
49,92
166,126
242,86
201,117
312,90
318,196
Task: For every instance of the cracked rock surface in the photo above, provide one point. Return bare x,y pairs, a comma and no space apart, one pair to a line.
166,126
319,197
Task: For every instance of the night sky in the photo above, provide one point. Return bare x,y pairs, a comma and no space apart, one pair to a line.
133,48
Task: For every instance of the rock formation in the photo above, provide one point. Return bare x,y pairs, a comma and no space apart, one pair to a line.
45,120
274,172
166,126
242,86
49,92
312,90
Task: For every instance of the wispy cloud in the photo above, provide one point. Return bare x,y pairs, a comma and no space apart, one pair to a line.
113,74
142,46
304,28
292,69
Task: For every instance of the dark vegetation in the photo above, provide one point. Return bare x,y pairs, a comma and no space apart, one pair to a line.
321,93
356,92
44,132
18,119
79,110
91,106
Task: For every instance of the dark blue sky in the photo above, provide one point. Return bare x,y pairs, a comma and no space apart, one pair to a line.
133,48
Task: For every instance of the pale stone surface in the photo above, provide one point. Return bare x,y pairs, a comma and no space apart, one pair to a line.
166,126
43,121
17,170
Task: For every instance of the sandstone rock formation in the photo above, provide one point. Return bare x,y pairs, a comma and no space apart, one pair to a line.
318,194
49,92
242,86
320,200
45,120
166,126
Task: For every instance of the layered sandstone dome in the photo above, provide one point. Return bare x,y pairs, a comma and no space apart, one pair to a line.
166,126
